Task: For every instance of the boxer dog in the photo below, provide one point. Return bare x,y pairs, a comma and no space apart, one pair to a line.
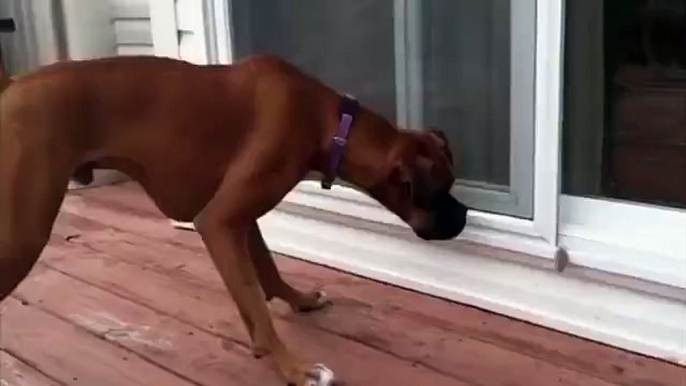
218,145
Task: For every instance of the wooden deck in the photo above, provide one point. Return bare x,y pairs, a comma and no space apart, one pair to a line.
121,298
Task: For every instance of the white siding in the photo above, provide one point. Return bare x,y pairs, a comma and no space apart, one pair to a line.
131,22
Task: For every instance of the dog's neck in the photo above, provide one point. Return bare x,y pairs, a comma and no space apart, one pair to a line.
367,150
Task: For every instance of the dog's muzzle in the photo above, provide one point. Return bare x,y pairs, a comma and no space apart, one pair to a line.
448,218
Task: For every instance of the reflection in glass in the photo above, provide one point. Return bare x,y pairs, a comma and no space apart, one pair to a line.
625,100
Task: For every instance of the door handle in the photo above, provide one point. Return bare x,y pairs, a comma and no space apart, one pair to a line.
7,25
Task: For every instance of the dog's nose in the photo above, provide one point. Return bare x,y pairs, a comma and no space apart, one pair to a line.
449,217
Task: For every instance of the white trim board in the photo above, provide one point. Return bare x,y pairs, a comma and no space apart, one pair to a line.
636,270
195,44
491,229
626,238
164,28
219,23
548,117
638,322
483,277
101,177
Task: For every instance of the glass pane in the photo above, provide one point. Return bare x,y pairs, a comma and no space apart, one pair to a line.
438,63
466,63
349,44
625,100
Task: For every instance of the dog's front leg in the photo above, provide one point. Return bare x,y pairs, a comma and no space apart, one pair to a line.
272,282
232,253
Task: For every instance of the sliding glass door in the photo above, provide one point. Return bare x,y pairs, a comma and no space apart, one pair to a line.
348,44
568,118
466,67
624,137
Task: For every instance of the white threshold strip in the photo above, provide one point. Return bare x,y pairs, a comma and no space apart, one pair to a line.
101,177
519,286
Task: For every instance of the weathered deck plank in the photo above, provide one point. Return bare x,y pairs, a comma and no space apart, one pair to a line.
120,297
14,372
565,351
407,337
212,311
170,344
70,355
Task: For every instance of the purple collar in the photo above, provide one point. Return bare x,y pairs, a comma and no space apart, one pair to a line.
348,109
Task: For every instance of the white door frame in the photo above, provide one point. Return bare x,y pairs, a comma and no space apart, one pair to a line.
540,103
538,236
635,240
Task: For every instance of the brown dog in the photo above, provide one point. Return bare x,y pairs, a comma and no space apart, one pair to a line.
242,136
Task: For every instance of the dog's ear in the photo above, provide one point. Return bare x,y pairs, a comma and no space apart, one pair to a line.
401,178
423,184
441,141
415,181
438,136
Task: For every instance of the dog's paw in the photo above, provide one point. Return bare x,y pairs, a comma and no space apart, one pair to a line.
320,375
311,375
311,302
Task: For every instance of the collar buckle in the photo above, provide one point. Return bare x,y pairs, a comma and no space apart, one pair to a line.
340,141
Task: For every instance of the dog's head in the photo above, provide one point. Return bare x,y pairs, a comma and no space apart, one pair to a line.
417,186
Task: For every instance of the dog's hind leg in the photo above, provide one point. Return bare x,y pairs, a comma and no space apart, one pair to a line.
33,183
272,282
